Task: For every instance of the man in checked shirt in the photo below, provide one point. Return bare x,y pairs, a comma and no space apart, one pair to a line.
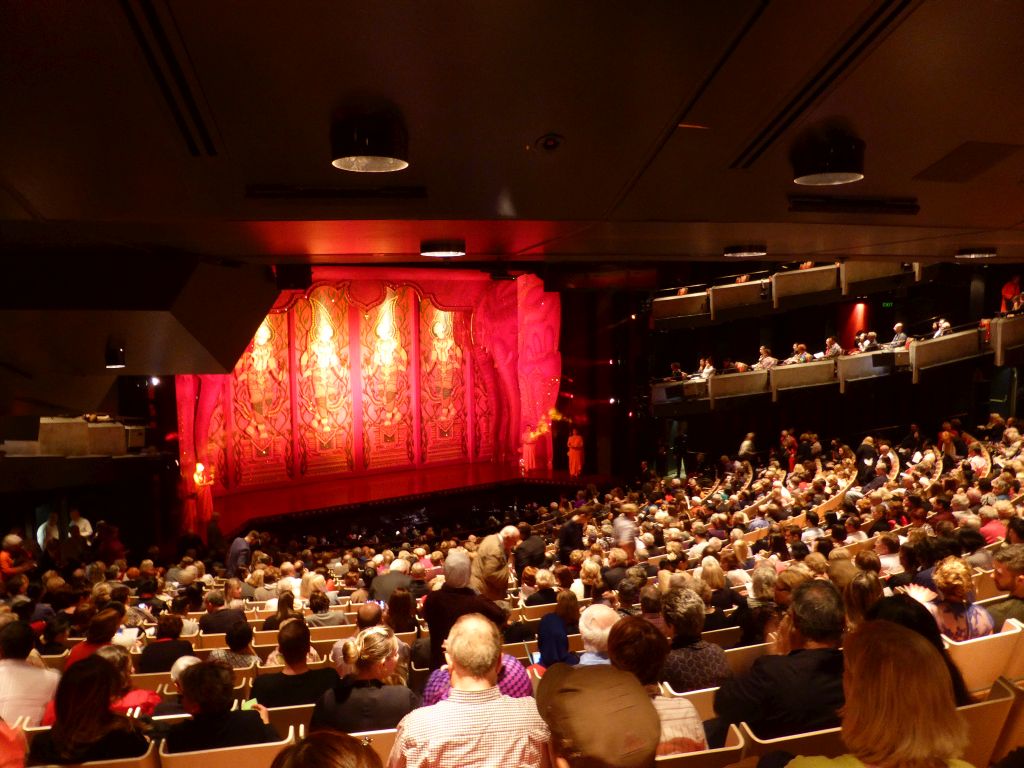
476,725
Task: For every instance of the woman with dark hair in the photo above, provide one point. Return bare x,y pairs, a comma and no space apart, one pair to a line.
86,729
906,611
102,628
128,697
327,749
239,653
555,628
401,612
160,653
285,610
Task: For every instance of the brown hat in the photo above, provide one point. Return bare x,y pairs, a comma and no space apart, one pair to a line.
599,716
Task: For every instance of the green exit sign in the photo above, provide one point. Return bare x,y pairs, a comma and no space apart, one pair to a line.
887,305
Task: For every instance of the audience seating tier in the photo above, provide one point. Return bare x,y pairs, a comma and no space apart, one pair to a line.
804,282
817,373
250,756
931,353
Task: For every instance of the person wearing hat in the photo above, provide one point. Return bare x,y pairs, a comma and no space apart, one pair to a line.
599,717
476,725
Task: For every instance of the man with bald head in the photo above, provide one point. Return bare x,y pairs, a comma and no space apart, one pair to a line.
476,725
490,575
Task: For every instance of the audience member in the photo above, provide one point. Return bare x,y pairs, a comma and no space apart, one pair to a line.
297,684
455,598
693,663
476,724
327,749
596,622
160,653
25,689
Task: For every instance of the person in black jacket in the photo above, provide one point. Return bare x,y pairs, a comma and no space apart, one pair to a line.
801,691
529,551
207,694
160,654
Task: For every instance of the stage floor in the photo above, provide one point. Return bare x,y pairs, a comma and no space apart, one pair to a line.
403,485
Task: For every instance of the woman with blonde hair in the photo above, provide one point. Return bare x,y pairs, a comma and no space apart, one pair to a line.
369,698
863,591
887,666
953,607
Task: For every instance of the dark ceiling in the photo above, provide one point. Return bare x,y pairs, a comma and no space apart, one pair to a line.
201,128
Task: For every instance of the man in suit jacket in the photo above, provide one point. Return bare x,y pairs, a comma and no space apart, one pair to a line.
531,550
397,576
490,568
218,618
803,690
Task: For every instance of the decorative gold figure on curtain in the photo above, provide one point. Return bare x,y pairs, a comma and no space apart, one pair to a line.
260,379
323,365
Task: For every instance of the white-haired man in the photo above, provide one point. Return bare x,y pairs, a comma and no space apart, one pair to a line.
397,576
476,725
490,574
595,624
455,598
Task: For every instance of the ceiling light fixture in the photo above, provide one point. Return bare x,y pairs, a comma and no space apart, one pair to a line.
443,249
968,254
376,142
114,356
745,251
828,160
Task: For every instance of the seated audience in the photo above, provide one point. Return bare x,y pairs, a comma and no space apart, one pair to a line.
596,622
285,610
476,724
24,688
637,647
323,616
173,706
692,663
160,653
370,698
102,628
555,628
545,593
297,684
953,607
207,693
128,696
86,729
218,617
907,612
1008,574
239,653
801,690
888,666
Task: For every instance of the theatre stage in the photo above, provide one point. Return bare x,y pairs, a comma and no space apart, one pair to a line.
336,493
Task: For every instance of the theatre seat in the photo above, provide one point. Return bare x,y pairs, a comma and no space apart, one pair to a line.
741,659
249,756
702,700
285,718
827,742
711,758
985,721
148,760
724,638
1013,729
984,659
379,741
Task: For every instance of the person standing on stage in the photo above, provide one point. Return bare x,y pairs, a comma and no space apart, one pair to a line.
575,453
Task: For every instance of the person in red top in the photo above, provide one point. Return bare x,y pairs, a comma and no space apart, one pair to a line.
13,558
102,628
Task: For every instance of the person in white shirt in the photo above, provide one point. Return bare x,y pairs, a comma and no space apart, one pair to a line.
25,689
50,530
84,526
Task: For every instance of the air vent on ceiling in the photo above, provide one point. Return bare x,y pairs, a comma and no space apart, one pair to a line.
969,160
173,74
897,206
299,192
870,33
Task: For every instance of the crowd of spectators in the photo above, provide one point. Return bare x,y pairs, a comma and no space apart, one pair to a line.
796,553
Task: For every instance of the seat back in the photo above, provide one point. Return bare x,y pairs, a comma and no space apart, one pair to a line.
984,659
741,659
148,760
212,640
1013,729
535,612
283,718
724,638
250,755
985,721
711,758
151,681
827,742
702,700
57,662
380,742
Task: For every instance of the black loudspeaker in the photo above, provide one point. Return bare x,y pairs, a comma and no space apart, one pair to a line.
293,277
